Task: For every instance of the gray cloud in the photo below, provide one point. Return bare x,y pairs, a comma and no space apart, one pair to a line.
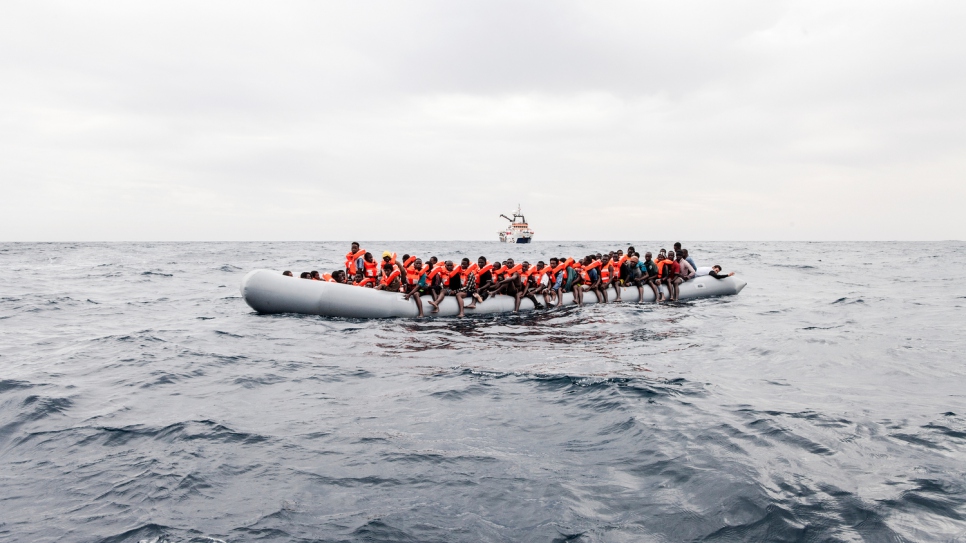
743,120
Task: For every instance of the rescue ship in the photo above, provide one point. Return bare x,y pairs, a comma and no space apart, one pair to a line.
518,231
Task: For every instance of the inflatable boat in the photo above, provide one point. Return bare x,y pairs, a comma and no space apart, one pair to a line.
268,291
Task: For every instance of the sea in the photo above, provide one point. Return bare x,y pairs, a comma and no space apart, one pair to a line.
142,400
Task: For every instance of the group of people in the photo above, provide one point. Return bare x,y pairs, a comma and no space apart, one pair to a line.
595,273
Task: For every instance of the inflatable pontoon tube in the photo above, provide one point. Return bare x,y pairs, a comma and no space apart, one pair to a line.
268,291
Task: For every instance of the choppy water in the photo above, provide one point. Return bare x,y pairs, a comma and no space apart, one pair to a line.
141,399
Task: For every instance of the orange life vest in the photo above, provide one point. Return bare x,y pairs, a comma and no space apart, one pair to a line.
372,269
388,279
364,282
481,271
409,261
605,272
351,258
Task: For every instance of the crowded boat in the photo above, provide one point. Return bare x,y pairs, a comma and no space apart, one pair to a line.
597,278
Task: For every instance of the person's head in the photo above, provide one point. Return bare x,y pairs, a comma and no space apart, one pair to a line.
554,261
481,261
525,266
387,267
315,275
338,276
497,265
587,260
355,246
359,277
716,268
598,256
677,246
670,256
605,259
369,258
449,265
647,257
540,265
630,250
684,253
433,261
387,256
287,273
418,264
509,262
406,257
465,263
305,275
634,259
663,251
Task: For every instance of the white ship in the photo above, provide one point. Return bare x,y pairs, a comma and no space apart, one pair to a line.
518,231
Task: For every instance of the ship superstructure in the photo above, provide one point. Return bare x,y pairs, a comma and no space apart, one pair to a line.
518,230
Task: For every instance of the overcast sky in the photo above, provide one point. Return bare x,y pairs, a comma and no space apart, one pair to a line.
426,120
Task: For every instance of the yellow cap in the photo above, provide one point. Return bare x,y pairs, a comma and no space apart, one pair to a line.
386,253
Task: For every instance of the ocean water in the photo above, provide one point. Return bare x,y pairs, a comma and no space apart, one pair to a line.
142,400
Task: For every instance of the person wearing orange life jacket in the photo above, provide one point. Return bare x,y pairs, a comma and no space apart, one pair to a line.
370,267
408,260
609,276
547,281
418,284
511,282
362,281
484,278
390,278
524,289
496,274
451,286
468,279
590,274
388,258
353,259
338,276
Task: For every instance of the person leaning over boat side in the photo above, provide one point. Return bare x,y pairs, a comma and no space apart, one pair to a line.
716,272
287,273
418,284
353,259
314,275
305,275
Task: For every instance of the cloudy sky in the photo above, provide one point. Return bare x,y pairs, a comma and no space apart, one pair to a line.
711,120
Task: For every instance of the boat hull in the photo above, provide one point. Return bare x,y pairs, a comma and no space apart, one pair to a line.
268,291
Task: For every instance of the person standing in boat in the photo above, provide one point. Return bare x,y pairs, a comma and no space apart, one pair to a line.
354,259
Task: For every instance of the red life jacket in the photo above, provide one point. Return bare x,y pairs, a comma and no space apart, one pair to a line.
364,282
